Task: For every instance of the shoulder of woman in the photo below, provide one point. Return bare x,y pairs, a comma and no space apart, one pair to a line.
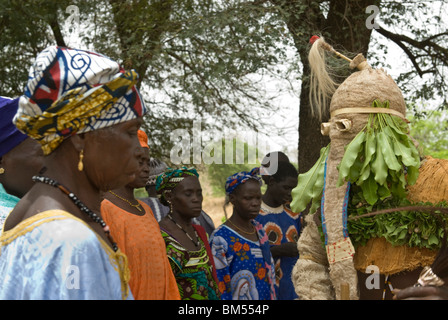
54,230
107,205
164,224
200,229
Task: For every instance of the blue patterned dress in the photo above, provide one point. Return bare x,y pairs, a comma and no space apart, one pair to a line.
281,226
245,268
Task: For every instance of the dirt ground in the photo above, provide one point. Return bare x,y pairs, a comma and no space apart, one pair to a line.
212,204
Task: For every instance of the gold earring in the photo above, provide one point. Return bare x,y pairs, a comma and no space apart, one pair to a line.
2,170
80,164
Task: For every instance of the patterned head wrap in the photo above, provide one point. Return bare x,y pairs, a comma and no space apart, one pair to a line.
168,180
10,136
238,178
72,91
156,167
143,138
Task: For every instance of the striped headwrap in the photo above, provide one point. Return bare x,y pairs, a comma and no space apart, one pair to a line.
72,91
238,178
169,179
156,167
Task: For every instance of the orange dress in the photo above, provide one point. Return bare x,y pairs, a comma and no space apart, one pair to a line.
140,239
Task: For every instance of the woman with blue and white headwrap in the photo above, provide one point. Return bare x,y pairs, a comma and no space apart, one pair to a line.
85,112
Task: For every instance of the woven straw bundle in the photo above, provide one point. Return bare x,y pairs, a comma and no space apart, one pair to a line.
432,182
363,87
391,259
431,186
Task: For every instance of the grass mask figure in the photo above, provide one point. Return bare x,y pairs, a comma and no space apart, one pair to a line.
369,165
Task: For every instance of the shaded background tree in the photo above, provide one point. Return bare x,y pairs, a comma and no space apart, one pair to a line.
212,59
418,30
197,59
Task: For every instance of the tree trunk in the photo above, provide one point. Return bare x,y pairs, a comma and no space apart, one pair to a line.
310,138
345,28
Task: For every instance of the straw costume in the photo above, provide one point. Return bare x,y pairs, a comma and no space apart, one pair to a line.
370,164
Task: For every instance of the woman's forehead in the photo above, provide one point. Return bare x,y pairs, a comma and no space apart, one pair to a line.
189,183
251,186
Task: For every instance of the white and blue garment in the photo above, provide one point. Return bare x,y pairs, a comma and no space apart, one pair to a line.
56,256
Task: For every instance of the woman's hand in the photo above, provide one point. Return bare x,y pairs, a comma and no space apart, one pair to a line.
421,293
287,249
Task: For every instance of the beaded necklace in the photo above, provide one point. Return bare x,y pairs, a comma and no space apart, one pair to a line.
80,205
180,227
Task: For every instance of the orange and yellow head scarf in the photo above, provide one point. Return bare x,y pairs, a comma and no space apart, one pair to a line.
72,91
143,138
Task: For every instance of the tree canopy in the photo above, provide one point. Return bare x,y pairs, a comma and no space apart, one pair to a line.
217,60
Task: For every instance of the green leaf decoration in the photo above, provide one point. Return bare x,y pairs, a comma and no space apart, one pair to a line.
387,150
365,174
411,228
382,154
380,162
379,166
412,175
370,148
310,185
369,190
383,192
350,156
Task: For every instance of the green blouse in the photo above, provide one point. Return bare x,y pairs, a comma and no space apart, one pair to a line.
193,270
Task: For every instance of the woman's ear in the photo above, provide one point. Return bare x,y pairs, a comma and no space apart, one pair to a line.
168,196
271,181
78,142
232,198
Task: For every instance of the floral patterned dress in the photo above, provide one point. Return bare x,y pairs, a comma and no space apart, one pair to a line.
194,270
282,226
245,268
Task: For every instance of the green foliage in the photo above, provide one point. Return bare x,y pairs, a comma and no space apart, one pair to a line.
310,185
210,59
218,172
411,228
429,131
197,59
422,39
385,155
